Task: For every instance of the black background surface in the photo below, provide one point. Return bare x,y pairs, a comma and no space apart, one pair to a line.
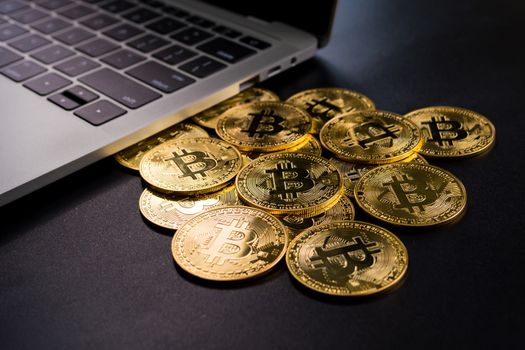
80,268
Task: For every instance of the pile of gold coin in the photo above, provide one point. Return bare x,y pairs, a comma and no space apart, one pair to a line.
256,179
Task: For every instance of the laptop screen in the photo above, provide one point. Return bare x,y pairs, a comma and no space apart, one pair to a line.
314,17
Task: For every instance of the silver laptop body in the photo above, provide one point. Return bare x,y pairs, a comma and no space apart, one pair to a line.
41,142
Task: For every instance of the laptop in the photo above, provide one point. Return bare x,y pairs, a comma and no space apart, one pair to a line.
82,80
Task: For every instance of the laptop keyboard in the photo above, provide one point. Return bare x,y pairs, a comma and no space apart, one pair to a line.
152,49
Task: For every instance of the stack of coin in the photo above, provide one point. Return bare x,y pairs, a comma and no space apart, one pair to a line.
259,185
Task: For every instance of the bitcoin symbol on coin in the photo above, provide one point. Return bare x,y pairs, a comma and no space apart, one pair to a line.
289,180
265,122
322,108
234,241
412,193
374,132
193,163
339,261
444,131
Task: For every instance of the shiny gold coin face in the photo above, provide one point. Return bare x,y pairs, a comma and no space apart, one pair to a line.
352,172
326,103
452,132
264,126
131,156
347,258
411,194
290,183
342,210
191,166
229,243
371,137
172,211
209,117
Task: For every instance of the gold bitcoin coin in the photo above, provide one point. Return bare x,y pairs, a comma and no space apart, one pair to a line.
371,137
209,117
452,132
352,172
191,166
347,258
229,243
172,211
264,126
290,183
411,194
131,156
326,103
342,210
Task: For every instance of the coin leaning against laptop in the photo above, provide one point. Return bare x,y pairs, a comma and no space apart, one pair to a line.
290,200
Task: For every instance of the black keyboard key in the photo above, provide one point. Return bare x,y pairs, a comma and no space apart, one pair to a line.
230,33
120,88
80,94
174,11
53,4
202,66
226,50
100,112
97,47
174,54
141,15
7,7
47,84
51,25
22,71
165,25
63,101
123,59
7,57
118,6
123,32
99,21
74,36
191,36
76,66
201,22
148,43
52,54
28,16
30,42
72,98
160,77
254,42
11,31
77,12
